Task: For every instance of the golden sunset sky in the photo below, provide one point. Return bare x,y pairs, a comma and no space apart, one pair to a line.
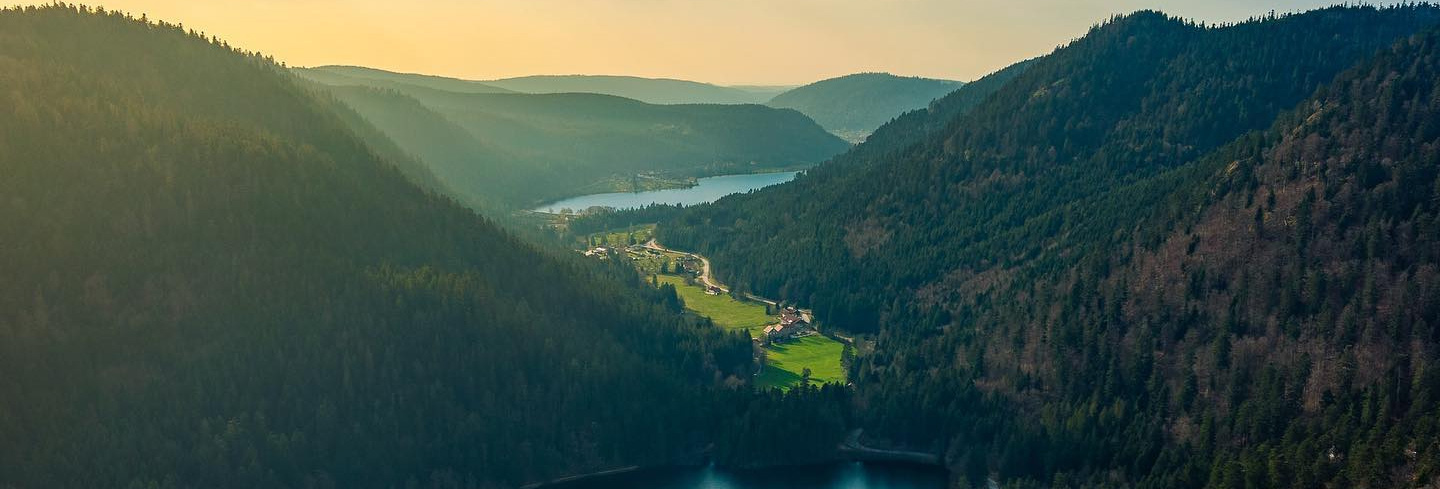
718,41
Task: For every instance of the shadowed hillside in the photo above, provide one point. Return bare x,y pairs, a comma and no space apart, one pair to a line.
210,281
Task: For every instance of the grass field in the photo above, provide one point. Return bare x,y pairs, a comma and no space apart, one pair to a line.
727,312
786,361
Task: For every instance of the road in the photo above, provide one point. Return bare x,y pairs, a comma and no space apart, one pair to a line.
706,277
855,449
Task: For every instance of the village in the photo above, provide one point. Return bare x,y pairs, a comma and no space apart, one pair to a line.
793,322
790,348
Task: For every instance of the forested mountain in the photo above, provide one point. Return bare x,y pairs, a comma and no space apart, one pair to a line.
919,125
525,149
764,93
210,281
853,106
359,75
1166,255
476,173
648,90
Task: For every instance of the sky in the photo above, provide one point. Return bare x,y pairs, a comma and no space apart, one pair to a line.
759,42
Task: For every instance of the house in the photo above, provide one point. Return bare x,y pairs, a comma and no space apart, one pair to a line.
691,264
713,290
792,317
776,332
791,324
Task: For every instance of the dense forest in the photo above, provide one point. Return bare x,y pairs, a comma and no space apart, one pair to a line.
211,281
1166,255
476,173
853,106
524,149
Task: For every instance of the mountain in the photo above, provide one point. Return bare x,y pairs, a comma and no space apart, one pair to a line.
853,106
648,90
764,93
211,281
361,76
918,125
478,174
1165,255
523,149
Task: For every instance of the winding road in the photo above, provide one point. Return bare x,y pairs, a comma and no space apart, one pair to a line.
706,277
854,448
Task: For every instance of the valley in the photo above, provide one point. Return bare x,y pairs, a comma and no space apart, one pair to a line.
812,357
506,151
1186,250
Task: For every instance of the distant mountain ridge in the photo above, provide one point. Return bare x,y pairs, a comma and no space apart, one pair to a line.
517,149
359,75
855,105
664,91
648,90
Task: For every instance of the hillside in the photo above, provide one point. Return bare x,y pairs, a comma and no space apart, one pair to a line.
648,90
764,93
853,106
1165,255
921,124
210,281
361,76
476,173
526,149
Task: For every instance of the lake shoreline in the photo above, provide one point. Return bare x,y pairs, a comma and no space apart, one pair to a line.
853,448
839,459
708,189
593,475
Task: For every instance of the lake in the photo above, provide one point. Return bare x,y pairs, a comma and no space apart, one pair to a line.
706,190
853,475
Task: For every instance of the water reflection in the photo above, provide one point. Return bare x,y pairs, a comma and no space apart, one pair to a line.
706,190
836,476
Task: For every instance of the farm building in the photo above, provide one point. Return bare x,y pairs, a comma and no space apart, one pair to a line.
791,324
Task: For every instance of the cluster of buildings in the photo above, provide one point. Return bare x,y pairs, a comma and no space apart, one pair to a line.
792,323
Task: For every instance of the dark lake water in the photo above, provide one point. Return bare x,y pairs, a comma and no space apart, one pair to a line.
836,476
707,190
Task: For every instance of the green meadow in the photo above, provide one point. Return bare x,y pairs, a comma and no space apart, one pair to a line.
786,362
727,312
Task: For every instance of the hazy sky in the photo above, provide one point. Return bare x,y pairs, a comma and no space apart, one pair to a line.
719,41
